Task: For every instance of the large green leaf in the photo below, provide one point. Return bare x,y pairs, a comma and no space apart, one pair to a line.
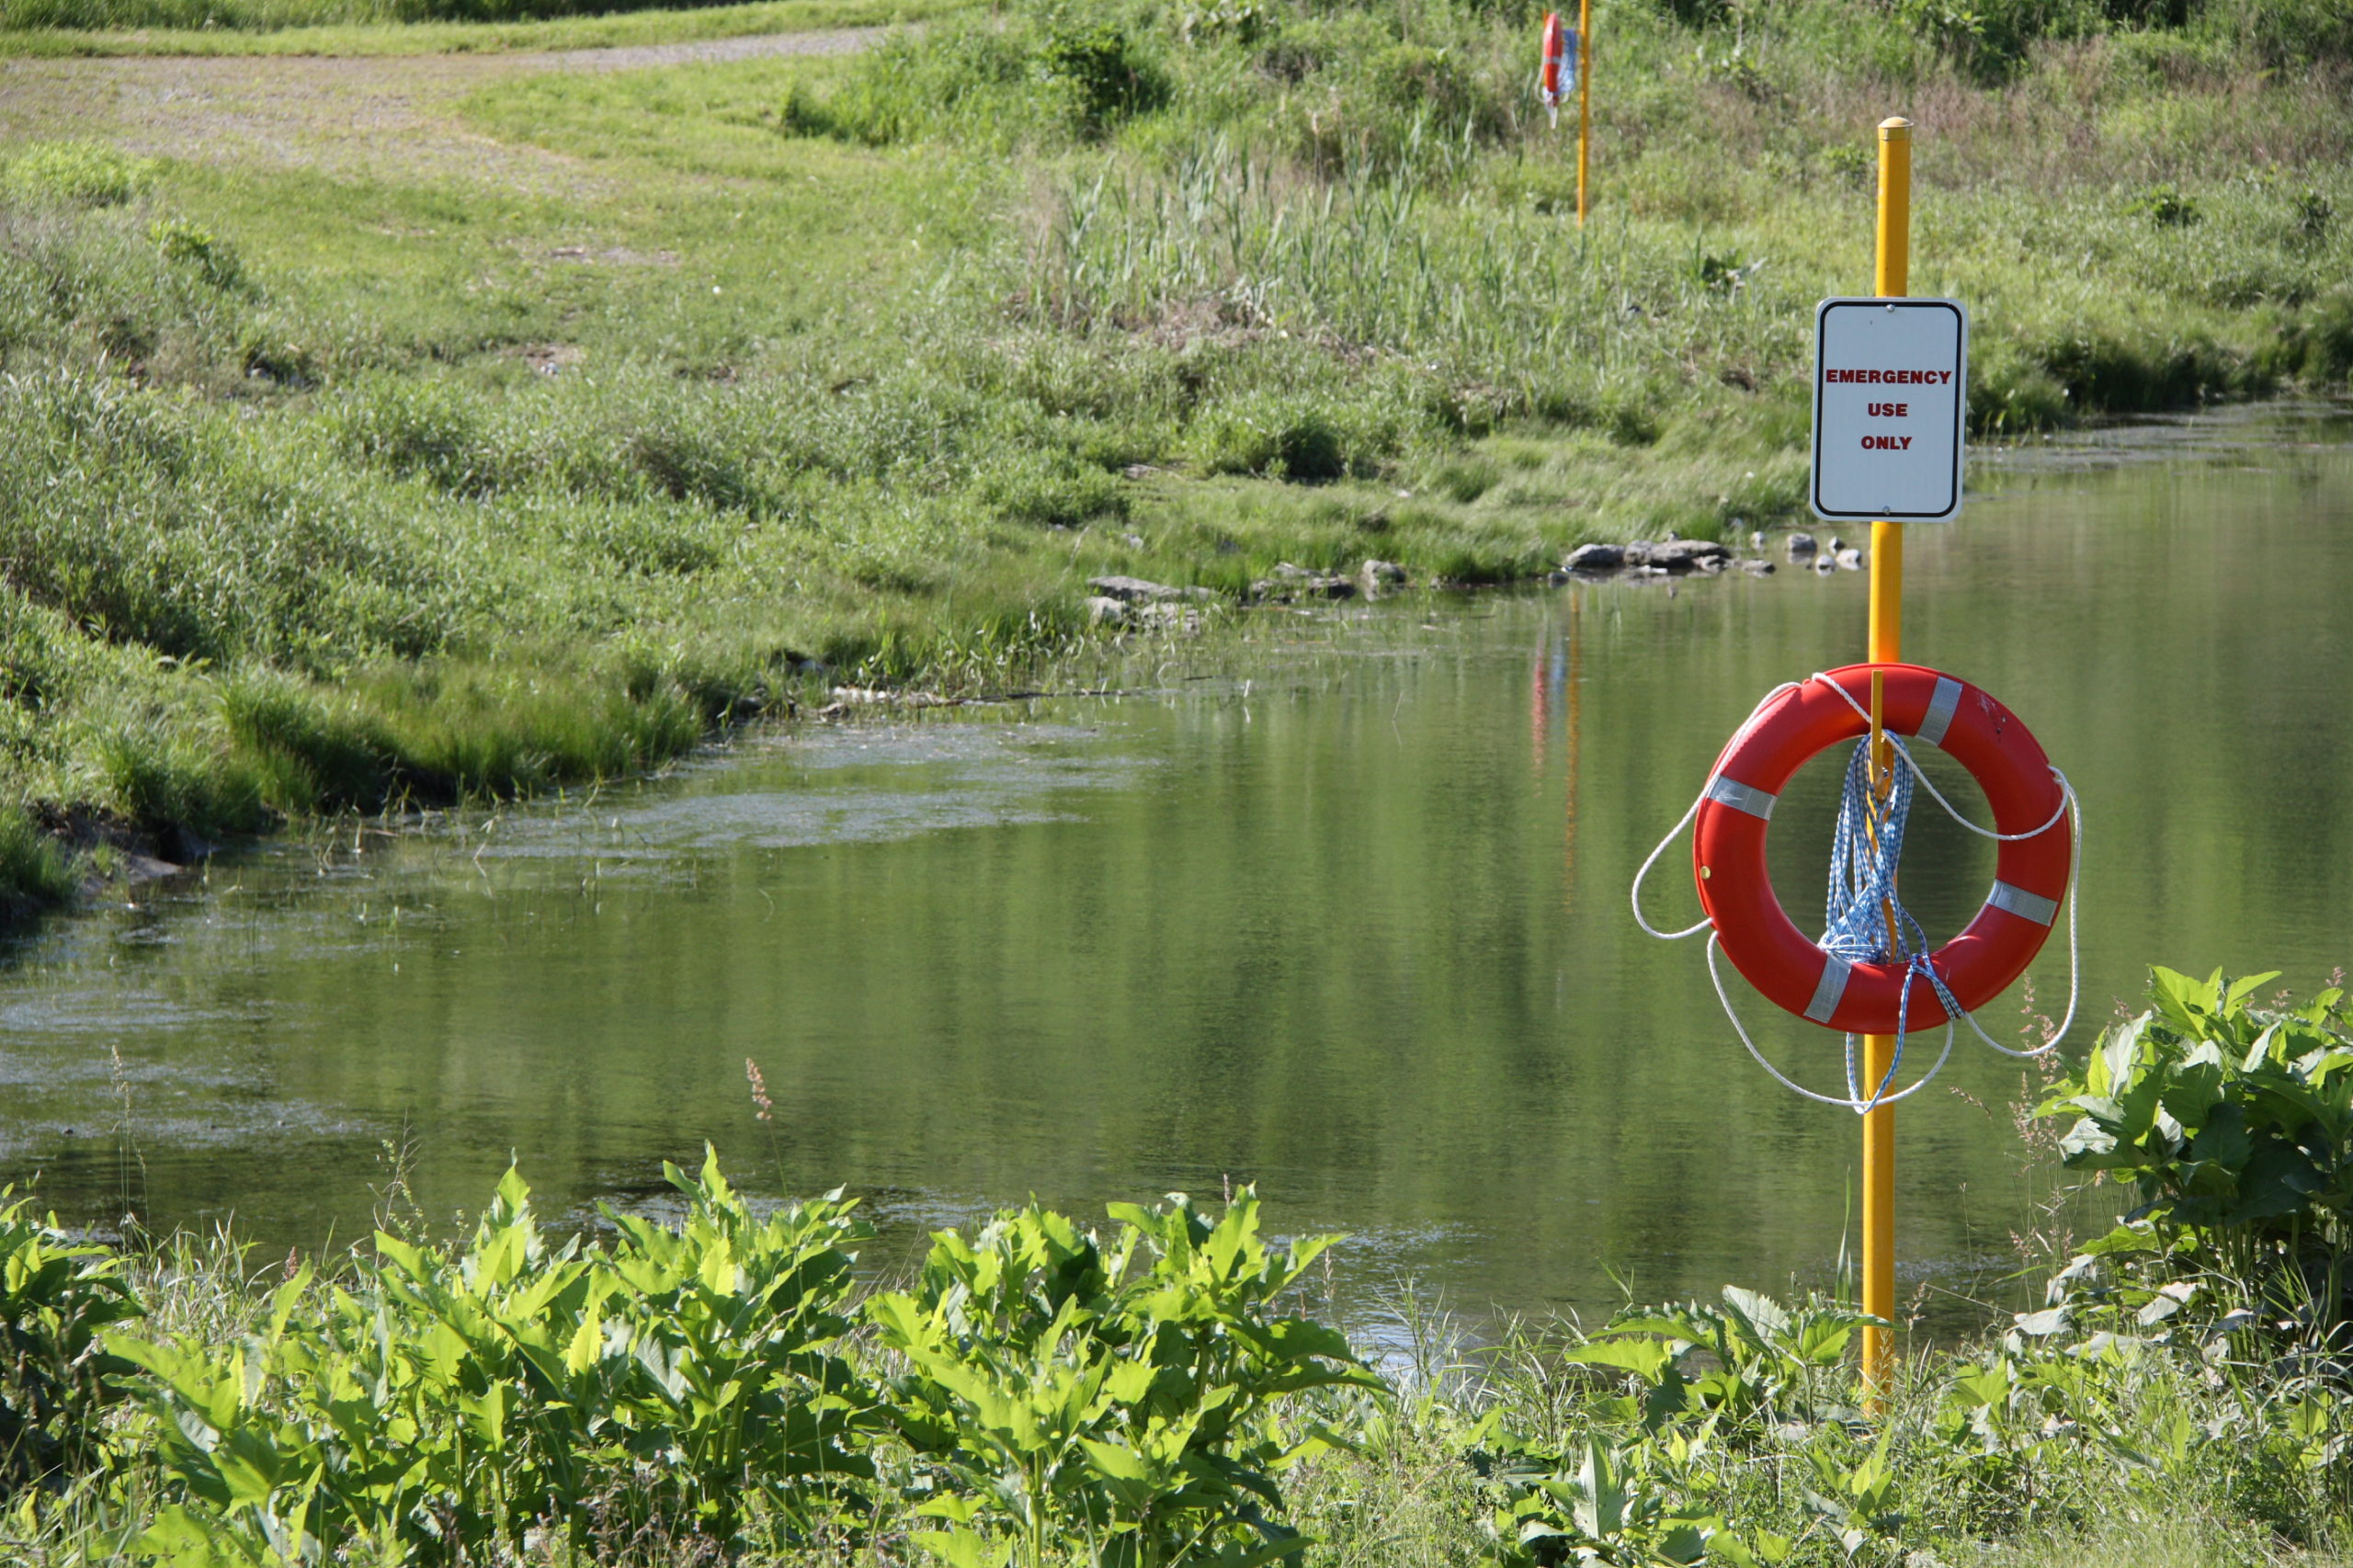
1646,1358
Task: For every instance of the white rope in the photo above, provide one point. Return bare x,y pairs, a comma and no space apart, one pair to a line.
2074,965
2066,793
1855,1102
1672,834
1677,831
2069,806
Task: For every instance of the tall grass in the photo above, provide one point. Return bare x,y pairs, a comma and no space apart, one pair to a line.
33,868
1490,313
1428,240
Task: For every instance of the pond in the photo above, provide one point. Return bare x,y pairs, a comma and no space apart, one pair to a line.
1351,923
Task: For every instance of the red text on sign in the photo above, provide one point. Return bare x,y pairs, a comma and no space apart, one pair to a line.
1890,378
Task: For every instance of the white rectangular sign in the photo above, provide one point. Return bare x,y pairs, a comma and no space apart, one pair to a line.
1891,401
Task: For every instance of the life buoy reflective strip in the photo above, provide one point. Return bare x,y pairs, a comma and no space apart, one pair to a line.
2030,872
1556,58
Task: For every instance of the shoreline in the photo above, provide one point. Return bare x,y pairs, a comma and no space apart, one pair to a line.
112,853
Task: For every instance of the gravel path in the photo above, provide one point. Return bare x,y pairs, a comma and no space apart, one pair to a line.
846,41
393,117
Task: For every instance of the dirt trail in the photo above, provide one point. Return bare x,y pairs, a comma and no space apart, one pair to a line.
391,117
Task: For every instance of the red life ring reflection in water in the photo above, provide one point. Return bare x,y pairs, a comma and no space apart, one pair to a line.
2030,872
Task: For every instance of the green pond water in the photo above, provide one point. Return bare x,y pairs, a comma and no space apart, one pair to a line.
1344,917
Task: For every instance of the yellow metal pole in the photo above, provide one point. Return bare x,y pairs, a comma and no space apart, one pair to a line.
1585,96
1886,648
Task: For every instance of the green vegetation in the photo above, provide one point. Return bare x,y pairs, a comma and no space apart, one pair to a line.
2235,1125
719,1388
626,404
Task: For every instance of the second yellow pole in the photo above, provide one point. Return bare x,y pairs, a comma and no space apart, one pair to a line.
1585,96
1894,278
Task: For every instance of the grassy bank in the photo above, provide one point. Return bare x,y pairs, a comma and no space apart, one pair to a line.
425,427
1163,1391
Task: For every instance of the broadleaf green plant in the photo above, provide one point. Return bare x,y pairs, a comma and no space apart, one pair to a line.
58,1298
1113,1401
2234,1122
448,1401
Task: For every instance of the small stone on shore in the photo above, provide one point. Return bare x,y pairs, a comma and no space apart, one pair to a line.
1294,582
1687,555
1137,590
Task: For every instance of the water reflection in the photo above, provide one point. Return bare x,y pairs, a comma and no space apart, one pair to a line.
1356,930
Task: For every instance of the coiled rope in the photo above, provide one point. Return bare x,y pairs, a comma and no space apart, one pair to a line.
1866,921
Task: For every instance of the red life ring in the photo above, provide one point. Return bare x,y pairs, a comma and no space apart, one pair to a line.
2030,873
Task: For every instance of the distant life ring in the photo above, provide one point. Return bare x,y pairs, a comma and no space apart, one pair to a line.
1550,80
2030,872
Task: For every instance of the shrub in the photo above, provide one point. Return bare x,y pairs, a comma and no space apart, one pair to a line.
2166,207
2011,394
184,243
1109,1401
58,1299
1048,490
2100,372
2284,34
35,870
2318,344
459,729
74,174
447,1403
1277,436
1415,79
710,1389
647,539
1465,480
164,777
2313,214
413,427
150,521
1243,21
2234,1122
1757,1360
980,81
1103,74
699,1383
